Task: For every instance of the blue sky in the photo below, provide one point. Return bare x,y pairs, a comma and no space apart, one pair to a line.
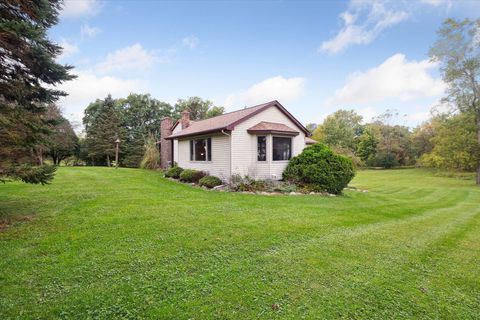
314,57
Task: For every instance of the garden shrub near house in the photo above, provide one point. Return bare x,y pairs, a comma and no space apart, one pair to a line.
190,175
174,172
318,168
210,181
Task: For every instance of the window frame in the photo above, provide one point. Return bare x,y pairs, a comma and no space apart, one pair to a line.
290,151
258,148
208,149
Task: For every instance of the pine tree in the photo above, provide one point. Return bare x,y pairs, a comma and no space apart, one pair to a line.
104,129
28,72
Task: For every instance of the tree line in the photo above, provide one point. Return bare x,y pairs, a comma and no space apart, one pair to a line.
448,140
134,121
445,141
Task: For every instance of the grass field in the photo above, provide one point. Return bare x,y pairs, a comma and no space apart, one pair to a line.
105,243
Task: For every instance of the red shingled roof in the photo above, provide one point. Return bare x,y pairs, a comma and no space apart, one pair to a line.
228,121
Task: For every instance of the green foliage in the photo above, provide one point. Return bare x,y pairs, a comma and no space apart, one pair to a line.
32,174
210,181
457,50
151,159
62,142
29,74
199,109
174,172
191,175
320,169
102,128
367,144
454,143
339,129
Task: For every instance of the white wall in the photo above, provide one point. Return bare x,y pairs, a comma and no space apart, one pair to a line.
244,147
220,164
177,129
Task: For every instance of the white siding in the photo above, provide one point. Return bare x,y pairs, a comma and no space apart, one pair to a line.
177,129
244,147
220,164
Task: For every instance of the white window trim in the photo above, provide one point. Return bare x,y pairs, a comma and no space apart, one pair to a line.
206,150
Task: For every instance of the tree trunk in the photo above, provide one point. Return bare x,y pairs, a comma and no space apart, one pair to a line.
108,160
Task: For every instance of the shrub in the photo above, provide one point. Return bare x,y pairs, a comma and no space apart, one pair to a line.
190,175
210,181
174,172
317,168
151,158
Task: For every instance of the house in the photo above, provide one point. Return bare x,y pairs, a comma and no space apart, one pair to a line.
256,141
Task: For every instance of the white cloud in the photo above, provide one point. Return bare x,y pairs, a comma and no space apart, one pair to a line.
362,23
69,49
89,32
396,78
88,87
134,57
190,42
419,117
437,3
276,88
367,114
75,8
364,20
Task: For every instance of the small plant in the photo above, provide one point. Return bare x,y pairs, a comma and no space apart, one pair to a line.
190,175
174,172
210,181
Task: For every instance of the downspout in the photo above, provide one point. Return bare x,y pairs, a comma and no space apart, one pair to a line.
230,143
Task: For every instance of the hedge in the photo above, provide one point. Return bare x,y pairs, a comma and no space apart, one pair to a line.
318,168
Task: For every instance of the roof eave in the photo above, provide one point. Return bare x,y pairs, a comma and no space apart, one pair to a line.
198,133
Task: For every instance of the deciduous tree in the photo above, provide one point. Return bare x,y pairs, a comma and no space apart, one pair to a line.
457,49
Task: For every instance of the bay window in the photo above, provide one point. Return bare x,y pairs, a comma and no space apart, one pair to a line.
281,148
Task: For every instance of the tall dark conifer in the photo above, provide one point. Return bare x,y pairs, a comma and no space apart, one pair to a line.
28,74
105,128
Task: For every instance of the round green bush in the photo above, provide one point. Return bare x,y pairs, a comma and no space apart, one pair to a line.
210,181
318,168
174,172
190,175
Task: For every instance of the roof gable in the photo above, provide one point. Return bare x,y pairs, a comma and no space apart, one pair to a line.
228,121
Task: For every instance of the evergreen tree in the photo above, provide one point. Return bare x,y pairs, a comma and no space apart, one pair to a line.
102,132
28,72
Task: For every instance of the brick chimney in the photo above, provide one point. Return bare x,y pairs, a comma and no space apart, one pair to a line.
166,160
185,119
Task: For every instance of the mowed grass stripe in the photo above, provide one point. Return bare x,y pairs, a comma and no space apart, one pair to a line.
129,244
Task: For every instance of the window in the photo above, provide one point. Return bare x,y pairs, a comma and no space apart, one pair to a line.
262,148
201,149
282,148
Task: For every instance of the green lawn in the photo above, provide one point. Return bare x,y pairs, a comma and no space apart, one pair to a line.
106,243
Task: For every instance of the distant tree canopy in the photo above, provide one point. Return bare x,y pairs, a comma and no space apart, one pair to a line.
28,71
199,109
62,142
